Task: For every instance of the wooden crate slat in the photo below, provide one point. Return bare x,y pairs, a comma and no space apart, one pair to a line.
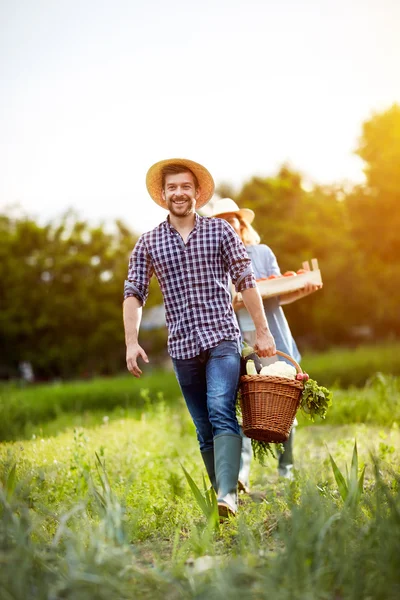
285,285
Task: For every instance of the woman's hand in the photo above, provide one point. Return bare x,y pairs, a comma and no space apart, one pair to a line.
309,288
237,304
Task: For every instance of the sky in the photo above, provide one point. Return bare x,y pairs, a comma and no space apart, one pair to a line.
93,92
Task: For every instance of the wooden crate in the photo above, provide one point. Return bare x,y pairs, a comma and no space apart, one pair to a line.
285,285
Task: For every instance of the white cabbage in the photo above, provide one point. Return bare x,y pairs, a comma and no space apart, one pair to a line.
279,369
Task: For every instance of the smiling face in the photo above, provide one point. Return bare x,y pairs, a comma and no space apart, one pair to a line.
180,193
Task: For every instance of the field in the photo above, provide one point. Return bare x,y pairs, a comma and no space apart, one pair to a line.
95,503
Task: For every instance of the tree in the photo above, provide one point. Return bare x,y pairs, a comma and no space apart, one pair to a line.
61,290
375,217
301,224
379,148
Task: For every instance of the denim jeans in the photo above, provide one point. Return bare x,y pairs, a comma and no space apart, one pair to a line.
209,384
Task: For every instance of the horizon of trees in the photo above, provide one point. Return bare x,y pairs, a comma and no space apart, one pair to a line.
61,283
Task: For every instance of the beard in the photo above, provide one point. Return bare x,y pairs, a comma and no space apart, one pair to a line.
184,209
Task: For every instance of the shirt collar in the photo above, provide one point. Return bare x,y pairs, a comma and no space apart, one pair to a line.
197,222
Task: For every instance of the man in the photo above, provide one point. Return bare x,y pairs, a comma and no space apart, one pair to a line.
192,258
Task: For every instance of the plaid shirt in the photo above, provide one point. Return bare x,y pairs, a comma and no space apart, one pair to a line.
194,280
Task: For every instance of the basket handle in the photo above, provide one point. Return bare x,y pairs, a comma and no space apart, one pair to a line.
295,364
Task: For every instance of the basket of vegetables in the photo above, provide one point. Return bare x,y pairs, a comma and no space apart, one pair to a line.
271,395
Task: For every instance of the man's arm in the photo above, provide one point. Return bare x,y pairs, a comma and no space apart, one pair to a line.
265,343
132,315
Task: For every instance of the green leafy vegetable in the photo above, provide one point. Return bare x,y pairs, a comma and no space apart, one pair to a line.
315,400
263,450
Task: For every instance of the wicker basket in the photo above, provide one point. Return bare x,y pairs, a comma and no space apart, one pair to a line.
269,404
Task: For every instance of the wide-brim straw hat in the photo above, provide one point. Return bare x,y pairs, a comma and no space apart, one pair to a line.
154,180
227,205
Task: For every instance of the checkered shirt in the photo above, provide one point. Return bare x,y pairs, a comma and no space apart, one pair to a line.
194,280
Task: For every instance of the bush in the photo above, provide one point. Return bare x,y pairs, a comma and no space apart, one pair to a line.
344,367
21,408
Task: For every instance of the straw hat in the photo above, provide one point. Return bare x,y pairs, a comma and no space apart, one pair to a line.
154,180
227,205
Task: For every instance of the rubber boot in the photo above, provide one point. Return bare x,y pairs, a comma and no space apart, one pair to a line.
285,460
227,449
245,460
208,459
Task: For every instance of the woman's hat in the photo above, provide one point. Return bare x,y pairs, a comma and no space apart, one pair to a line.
227,205
154,180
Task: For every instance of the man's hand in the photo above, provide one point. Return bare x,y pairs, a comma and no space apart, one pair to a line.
133,351
265,344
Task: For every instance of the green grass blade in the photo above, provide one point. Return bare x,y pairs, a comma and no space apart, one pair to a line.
360,487
354,465
11,481
207,495
340,480
102,473
197,494
100,498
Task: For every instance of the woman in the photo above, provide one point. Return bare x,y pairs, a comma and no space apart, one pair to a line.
264,264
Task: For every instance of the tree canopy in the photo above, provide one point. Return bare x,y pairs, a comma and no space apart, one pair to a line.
61,294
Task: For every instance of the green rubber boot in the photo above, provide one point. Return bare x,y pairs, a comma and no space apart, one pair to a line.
227,449
245,462
285,460
208,459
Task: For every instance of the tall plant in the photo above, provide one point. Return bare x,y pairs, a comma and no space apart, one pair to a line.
350,487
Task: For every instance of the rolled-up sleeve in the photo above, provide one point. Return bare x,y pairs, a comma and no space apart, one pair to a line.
140,271
237,260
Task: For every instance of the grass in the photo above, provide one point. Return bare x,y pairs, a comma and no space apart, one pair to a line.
44,411
107,512
345,367
103,501
360,372
21,409
377,403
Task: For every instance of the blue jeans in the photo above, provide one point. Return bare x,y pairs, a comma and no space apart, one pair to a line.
209,384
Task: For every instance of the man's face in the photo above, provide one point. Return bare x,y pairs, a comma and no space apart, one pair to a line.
180,194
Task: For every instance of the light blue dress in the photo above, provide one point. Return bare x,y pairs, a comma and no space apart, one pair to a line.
264,264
